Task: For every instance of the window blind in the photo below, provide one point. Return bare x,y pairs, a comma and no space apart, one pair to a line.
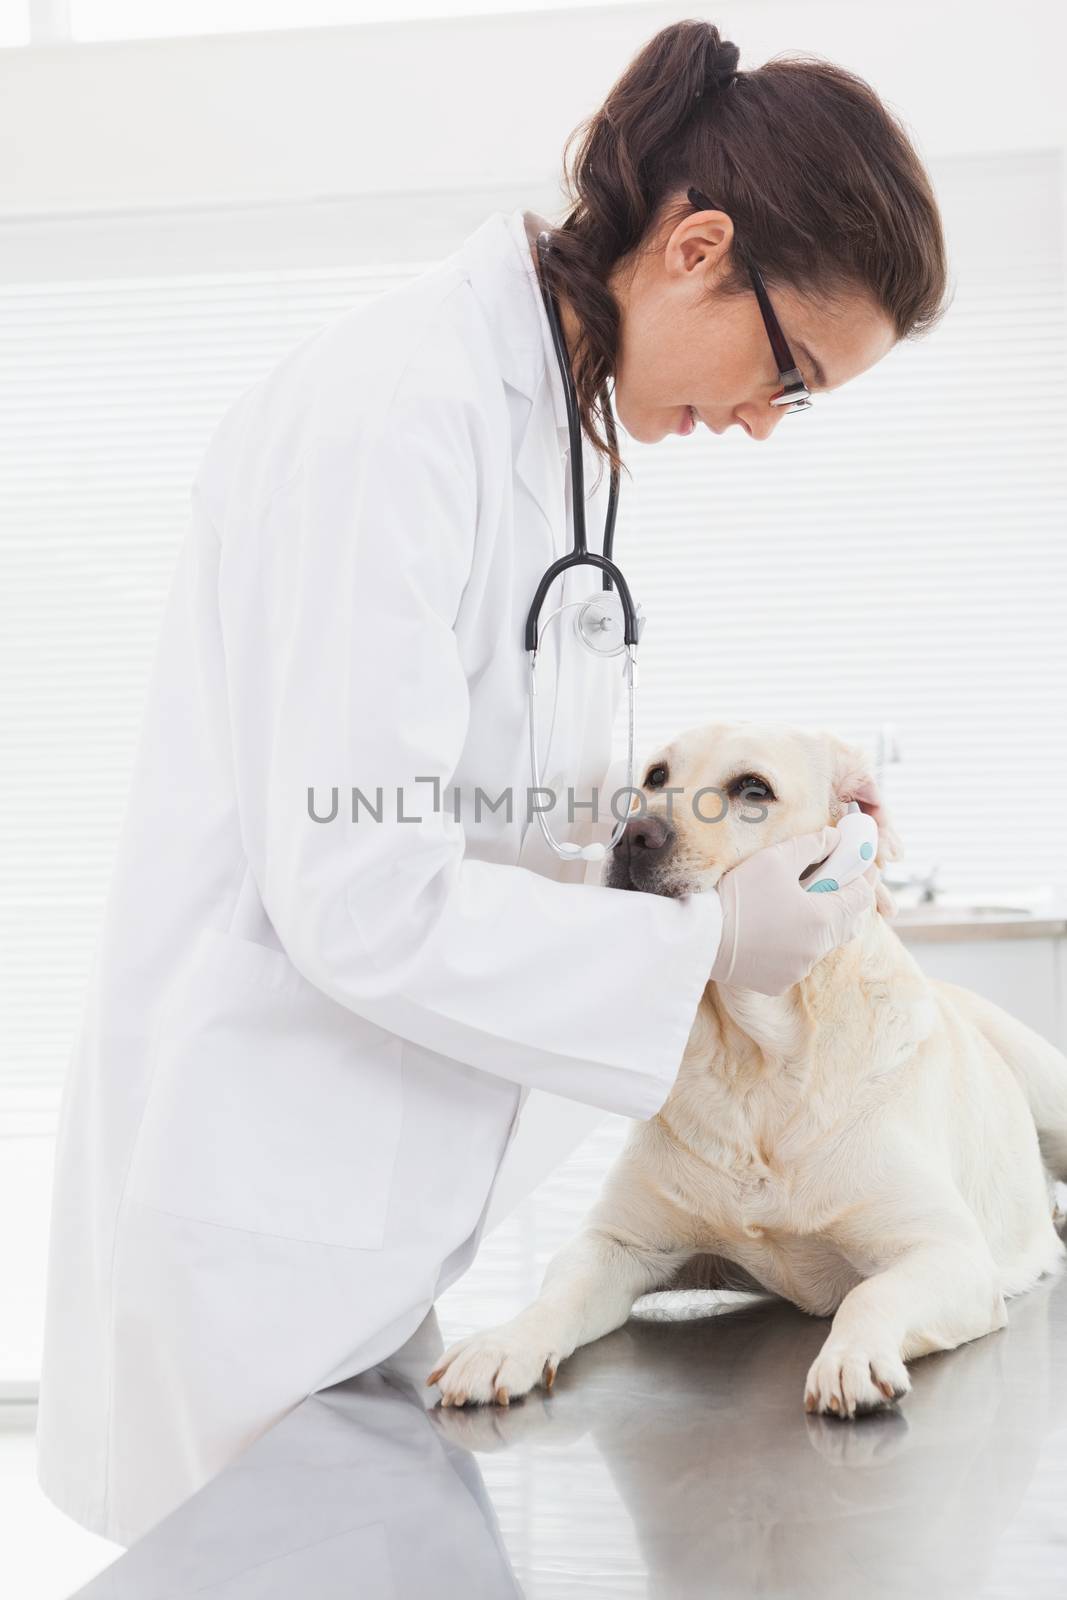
109,391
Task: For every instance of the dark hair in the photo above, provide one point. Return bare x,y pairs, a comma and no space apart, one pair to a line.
821,181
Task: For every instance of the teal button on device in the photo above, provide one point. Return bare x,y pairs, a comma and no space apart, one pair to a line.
857,842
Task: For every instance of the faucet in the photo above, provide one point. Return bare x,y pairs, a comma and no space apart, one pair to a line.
887,753
886,750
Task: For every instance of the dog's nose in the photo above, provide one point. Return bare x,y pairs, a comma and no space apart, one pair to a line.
647,839
644,847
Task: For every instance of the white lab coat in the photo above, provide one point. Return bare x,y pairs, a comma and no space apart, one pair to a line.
306,1044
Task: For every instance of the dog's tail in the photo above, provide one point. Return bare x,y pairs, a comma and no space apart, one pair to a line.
707,1271
1040,1068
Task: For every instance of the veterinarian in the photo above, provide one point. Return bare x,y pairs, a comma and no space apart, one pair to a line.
307,1037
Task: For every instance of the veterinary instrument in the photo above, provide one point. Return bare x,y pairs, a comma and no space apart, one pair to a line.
858,843
608,625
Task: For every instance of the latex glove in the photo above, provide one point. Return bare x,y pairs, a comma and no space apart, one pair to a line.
774,931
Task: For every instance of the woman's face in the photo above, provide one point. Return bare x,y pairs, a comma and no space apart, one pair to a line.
676,352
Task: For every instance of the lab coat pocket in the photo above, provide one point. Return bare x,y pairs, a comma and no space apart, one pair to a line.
271,1108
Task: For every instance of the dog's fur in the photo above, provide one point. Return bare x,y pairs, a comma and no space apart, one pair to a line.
872,1145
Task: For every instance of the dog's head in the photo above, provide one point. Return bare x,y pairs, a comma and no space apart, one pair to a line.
715,795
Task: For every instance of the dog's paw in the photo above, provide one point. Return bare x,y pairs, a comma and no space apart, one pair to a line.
846,1379
498,1366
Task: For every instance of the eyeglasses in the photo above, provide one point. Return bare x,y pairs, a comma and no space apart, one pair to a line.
794,394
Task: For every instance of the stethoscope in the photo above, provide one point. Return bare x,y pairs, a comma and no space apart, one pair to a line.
608,627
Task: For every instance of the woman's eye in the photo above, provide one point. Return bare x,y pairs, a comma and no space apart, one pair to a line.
752,787
656,777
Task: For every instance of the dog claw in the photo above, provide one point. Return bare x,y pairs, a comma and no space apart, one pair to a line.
501,1397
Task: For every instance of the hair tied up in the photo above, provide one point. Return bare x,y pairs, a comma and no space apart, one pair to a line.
720,64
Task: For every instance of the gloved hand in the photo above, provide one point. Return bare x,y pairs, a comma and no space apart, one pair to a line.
773,930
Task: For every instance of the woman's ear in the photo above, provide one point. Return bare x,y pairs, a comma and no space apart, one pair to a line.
852,778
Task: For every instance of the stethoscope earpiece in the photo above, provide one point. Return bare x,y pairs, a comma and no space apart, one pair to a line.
581,852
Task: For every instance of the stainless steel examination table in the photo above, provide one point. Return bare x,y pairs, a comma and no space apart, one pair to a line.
672,1459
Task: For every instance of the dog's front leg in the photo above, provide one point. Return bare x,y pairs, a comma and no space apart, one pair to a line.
939,1289
589,1289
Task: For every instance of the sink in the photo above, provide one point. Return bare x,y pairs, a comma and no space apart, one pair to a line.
939,910
963,917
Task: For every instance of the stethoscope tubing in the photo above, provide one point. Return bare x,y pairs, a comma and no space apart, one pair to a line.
581,555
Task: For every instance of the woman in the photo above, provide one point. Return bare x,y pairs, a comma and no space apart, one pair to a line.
310,1030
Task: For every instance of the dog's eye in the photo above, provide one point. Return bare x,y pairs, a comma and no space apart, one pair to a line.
750,786
656,777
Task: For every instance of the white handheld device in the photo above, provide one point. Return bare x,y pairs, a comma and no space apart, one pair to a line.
858,836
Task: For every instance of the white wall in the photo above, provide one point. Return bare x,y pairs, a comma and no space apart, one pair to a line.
328,112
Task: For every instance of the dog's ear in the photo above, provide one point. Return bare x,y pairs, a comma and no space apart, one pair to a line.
852,778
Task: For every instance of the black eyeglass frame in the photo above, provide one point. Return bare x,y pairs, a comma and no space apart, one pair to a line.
795,394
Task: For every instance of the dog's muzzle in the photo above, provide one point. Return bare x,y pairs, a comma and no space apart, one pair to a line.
642,856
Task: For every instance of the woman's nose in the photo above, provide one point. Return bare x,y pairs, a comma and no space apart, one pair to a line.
759,421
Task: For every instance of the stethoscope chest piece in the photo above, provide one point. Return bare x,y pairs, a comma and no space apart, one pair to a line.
599,624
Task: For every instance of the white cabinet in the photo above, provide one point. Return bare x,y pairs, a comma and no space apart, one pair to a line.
1018,963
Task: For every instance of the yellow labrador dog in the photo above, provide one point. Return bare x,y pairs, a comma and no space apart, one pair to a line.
872,1145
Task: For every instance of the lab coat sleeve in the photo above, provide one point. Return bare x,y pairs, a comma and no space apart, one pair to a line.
345,671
